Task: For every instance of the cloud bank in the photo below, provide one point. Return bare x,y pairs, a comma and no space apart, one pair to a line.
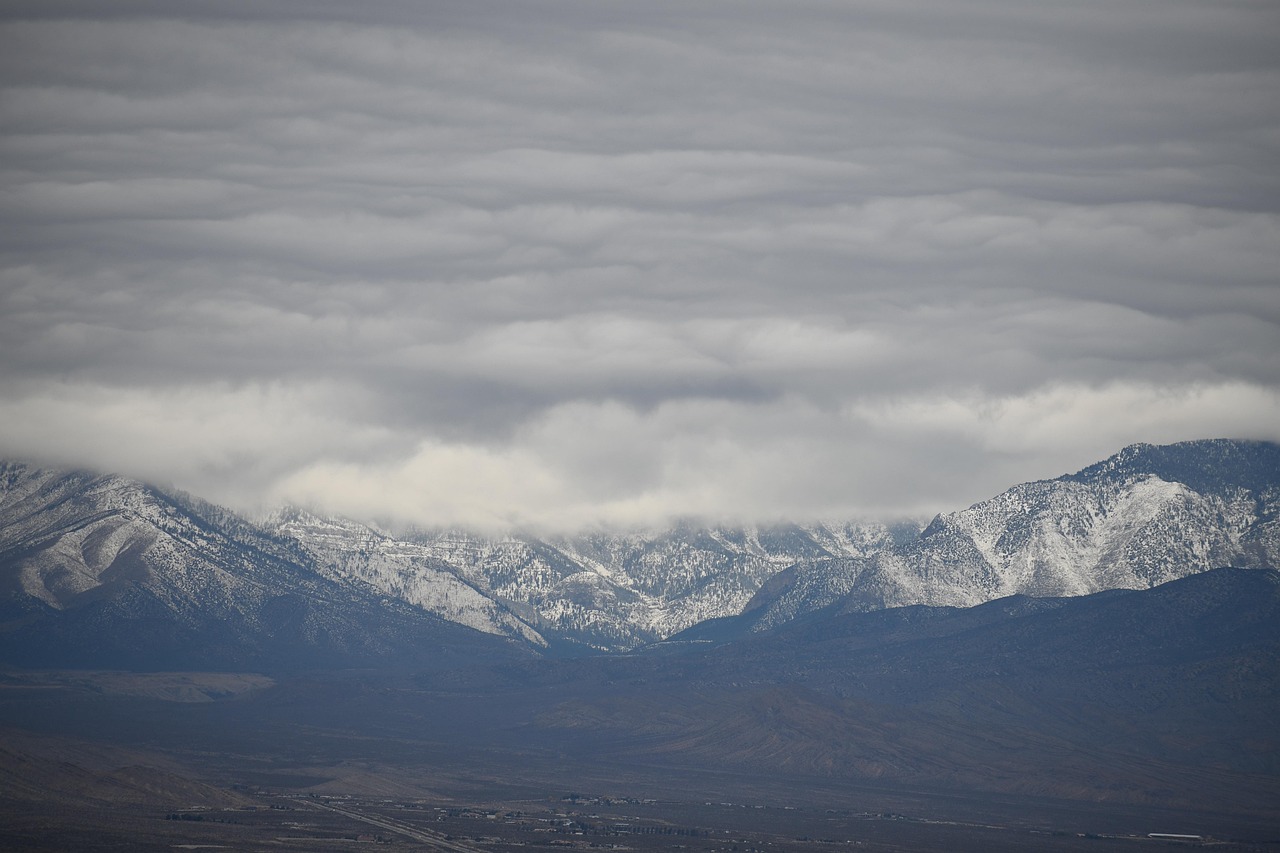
571,263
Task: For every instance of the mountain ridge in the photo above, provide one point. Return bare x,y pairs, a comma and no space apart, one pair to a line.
78,547
100,570
1114,524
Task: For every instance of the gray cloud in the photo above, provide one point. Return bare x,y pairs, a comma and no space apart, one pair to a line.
577,262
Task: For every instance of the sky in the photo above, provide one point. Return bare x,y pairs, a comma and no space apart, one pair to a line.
556,265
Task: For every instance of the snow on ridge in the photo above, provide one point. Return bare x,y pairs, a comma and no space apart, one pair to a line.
346,550
1121,526
615,590
1070,536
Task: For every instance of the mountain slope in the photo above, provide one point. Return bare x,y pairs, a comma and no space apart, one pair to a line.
344,550
106,571
79,550
1145,516
609,591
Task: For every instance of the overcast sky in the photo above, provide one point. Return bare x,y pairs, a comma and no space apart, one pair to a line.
556,264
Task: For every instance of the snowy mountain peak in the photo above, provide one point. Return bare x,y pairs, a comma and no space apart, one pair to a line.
1208,466
1144,516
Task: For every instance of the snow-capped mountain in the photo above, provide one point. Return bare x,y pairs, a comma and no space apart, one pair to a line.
79,552
1145,516
603,590
107,571
82,555
346,551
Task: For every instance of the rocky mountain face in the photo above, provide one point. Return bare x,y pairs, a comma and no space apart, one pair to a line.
345,551
603,590
1140,518
106,571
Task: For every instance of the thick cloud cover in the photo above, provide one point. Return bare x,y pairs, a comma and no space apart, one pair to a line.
563,263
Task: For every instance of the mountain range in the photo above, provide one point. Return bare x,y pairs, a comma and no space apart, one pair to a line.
96,569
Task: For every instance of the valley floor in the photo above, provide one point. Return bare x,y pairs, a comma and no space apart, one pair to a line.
104,761
279,820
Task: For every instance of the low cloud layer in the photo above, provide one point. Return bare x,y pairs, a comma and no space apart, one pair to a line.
572,263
